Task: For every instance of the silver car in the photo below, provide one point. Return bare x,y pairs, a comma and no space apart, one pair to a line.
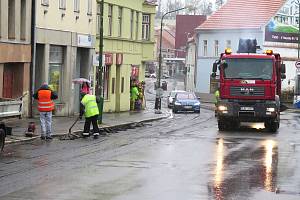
171,97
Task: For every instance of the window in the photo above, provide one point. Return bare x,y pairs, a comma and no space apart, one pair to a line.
131,24
110,12
76,5
98,18
216,48
122,84
228,43
137,26
62,4
204,47
23,20
11,19
106,81
120,21
45,2
55,68
146,27
89,11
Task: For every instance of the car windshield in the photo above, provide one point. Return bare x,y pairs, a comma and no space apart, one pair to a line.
183,96
248,68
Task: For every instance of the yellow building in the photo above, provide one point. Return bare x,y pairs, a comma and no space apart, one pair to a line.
128,47
65,40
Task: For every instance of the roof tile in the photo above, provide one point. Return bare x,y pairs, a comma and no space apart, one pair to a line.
243,14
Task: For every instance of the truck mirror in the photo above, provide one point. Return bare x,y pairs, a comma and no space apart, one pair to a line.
213,75
215,66
282,68
283,76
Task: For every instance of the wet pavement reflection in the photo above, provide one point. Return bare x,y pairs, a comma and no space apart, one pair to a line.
241,167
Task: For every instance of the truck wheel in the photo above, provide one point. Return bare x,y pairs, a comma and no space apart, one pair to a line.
272,126
2,139
221,125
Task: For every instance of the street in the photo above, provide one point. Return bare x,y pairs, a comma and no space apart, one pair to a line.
182,157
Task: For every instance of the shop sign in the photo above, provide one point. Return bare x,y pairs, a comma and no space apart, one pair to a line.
134,71
119,58
108,58
84,40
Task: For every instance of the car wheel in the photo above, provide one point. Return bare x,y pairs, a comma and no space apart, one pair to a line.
197,111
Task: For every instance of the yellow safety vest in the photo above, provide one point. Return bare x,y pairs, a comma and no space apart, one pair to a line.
90,105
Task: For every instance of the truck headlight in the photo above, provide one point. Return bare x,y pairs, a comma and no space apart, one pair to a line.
177,103
270,109
222,108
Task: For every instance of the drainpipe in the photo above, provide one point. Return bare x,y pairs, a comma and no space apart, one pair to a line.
33,55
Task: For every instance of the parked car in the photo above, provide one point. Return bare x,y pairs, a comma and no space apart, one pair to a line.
153,75
186,101
171,97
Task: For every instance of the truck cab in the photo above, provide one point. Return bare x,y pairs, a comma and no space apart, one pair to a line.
250,89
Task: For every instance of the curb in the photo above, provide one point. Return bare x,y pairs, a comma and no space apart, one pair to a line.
78,132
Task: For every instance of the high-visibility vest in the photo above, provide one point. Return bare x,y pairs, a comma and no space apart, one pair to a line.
45,104
217,96
90,105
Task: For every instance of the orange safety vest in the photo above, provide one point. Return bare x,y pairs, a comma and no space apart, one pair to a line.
45,104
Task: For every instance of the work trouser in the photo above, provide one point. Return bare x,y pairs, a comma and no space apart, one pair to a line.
46,123
87,124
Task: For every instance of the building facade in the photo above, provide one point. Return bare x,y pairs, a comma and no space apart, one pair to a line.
190,64
128,48
65,40
15,48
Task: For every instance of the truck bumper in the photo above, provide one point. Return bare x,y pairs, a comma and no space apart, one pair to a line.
248,111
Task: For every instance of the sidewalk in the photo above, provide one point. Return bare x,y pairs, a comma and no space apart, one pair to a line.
61,125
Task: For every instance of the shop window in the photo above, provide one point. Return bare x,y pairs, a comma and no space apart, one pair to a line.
89,11
76,5
55,68
106,82
122,84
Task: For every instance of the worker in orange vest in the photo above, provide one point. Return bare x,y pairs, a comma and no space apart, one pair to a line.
45,97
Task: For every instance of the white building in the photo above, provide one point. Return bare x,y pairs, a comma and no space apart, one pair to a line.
232,22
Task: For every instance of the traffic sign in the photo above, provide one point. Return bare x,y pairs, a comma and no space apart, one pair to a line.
297,64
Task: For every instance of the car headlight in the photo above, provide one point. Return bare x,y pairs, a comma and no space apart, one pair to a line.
197,104
270,109
177,103
222,108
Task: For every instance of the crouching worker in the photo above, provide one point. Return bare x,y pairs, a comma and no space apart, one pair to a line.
89,108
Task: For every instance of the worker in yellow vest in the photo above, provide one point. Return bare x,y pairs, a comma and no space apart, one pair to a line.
90,110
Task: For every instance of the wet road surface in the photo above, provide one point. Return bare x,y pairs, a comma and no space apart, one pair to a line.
183,157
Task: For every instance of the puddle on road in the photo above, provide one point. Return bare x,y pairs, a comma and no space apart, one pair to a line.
239,171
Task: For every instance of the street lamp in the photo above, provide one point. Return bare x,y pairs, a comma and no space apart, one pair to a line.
158,89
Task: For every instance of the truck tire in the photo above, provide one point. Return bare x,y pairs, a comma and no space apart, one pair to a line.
221,125
2,139
272,126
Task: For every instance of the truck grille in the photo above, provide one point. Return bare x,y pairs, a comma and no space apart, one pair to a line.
247,91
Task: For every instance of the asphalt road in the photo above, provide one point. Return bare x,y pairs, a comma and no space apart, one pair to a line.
182,157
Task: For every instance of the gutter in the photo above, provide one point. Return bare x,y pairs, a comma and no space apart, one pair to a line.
33,55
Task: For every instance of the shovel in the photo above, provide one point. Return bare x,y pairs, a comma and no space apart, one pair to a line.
70,135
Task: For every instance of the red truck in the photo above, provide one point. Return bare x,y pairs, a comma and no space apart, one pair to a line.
249,87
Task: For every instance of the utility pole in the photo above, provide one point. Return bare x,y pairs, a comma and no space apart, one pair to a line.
298,3
99,75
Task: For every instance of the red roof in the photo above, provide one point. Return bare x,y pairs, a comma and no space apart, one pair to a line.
243,14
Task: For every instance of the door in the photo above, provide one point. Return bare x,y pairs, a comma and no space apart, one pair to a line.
7,82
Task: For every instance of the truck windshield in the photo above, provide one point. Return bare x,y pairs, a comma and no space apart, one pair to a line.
249,68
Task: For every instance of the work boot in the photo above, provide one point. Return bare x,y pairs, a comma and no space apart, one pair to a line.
43,137
85,134
96,135
49,137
